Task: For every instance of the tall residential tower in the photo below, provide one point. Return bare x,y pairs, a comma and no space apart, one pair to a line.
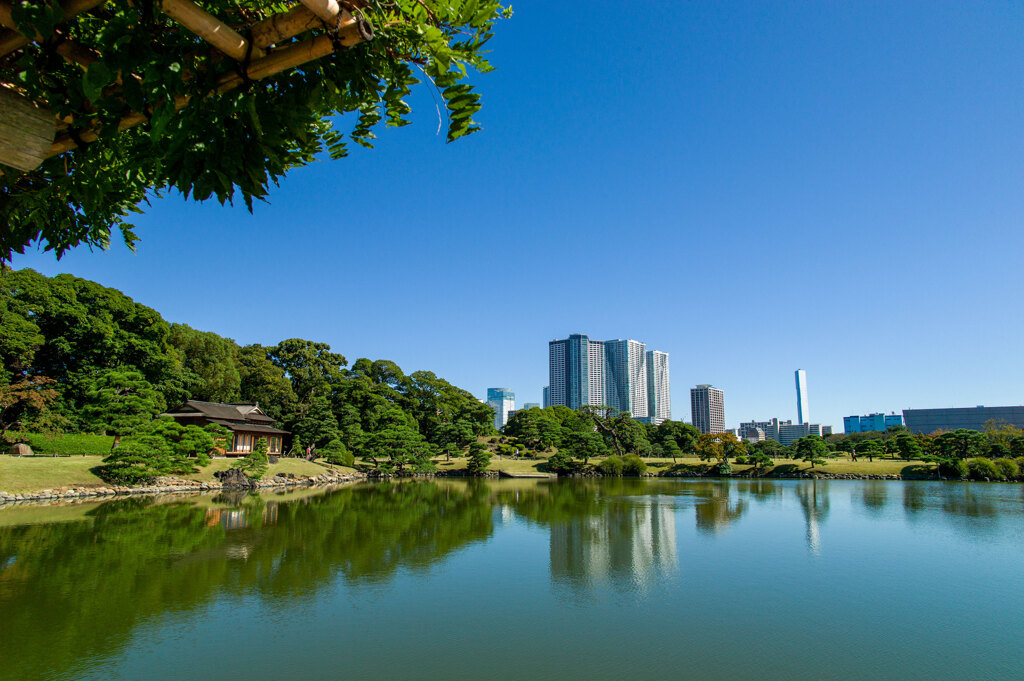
614,373
707,407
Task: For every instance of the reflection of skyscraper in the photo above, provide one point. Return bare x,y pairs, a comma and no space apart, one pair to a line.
815,504
629,547
802,414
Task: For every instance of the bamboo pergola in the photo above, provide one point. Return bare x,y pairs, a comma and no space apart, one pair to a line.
31,133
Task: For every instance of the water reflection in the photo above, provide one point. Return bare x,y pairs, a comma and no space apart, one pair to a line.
75,590
814,502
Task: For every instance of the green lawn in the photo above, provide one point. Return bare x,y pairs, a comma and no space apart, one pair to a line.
695,466
34,473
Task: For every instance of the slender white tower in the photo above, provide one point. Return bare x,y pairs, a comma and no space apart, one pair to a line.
802,415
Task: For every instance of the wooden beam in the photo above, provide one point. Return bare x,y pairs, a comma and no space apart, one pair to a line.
10,43
210,28
277,61
26,131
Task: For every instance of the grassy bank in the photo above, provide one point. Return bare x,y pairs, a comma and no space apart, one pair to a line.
694,466
33,473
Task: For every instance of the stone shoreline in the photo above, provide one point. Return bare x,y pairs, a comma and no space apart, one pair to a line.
171,485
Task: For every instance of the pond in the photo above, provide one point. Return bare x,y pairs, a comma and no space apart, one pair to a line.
522,579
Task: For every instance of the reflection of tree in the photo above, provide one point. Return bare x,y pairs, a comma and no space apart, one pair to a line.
962,499
874,495
914,498
74,591
716,509
814,500
760,489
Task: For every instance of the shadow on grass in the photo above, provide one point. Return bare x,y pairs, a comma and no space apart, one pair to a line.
784,470
688,469
917,472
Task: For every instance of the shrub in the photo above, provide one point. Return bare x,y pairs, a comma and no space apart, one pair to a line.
953,468
478,458
1008,467
560,462
612,465
58,444
255,464
982,468
741,460
336,453
633,465
723,468
1020,463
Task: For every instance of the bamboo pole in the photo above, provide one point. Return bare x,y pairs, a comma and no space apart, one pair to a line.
10,43
210,28
284,25
275,62
327,10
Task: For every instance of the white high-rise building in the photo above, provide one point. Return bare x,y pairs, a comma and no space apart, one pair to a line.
802,414
626,376
659,397
502,401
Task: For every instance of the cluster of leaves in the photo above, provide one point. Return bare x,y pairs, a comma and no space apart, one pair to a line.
221,144
161,447
100,362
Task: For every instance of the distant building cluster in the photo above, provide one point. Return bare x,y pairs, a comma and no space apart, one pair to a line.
871,422
622,374
786,432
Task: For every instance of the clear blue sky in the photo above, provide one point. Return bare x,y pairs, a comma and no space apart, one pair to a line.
753,187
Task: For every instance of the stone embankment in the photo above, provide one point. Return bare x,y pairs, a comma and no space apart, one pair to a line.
171,485
801,475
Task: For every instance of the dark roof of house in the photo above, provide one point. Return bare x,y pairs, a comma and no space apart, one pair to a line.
249,427
234,415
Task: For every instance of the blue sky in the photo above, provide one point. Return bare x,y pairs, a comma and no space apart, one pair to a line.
753,187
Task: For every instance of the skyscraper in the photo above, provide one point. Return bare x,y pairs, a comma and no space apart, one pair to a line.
802,414
502,401
707,408
546,396
626,376
613,373
659,398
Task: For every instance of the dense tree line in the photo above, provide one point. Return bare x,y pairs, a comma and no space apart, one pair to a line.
76,356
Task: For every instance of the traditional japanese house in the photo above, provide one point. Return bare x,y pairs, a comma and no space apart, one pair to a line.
247,423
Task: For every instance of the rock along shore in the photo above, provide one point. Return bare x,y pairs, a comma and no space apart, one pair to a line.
172,485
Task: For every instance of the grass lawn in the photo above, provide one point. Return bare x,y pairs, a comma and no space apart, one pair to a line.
297,467
504,464
34,473
782,466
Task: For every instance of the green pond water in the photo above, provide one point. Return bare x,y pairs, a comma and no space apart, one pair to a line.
522,579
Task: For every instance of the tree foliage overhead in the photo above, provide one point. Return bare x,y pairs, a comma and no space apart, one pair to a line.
228,145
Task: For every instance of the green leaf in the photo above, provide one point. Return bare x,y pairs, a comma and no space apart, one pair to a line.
96,78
